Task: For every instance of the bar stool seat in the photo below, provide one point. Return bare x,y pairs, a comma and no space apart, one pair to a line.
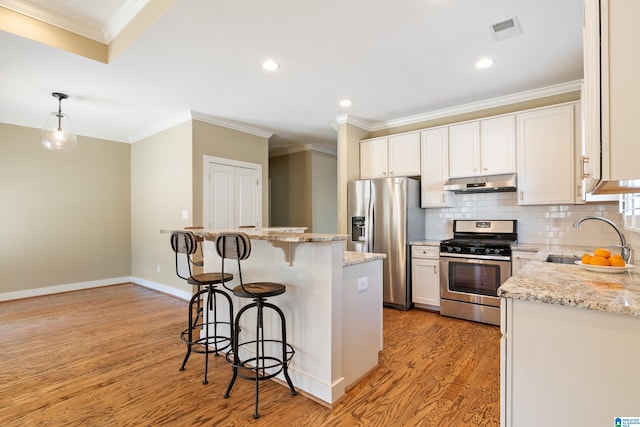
198,336
260,358
263,289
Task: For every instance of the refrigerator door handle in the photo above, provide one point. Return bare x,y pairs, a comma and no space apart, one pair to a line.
371,233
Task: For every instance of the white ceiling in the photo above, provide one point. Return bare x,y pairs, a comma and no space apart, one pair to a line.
393,59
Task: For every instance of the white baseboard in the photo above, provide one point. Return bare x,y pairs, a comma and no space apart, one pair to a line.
162,288
36,292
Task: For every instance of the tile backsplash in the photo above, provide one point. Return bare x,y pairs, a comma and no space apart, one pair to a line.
543,224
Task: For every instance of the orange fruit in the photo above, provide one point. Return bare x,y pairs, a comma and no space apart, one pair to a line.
602,252
586,258
599,260
616,256
617,261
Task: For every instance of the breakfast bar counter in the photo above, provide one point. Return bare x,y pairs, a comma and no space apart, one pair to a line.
332,303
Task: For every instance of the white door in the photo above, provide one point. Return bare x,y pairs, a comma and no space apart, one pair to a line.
246,188
222,196
233,194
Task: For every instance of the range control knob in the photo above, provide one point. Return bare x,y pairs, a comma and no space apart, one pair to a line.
487,251
458,249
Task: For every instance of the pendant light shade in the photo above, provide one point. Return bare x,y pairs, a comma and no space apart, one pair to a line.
57,133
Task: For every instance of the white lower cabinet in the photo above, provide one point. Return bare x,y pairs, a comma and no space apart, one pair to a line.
519,259
567,366
425,276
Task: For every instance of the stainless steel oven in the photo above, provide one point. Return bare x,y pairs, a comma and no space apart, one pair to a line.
473,265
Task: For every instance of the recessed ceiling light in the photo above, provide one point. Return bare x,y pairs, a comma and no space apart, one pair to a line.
270,65
345,103
484,63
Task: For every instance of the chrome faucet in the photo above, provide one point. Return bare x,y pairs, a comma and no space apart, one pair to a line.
625,250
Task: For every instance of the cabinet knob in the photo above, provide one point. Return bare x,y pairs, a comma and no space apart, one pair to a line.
435,270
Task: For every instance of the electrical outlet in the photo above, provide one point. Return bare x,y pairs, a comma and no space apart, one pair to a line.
158,268
185,214
363,284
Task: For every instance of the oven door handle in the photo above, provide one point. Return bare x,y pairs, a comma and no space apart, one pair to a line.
475,258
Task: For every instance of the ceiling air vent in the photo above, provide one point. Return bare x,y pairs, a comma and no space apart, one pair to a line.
506,29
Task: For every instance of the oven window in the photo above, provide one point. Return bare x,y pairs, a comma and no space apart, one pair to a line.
479,279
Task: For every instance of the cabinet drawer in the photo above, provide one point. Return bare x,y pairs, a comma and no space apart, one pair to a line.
425,252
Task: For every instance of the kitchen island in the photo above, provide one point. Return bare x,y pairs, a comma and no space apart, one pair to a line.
570,345
332,305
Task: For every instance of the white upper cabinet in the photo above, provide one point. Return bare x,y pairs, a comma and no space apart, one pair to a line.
464,149
611,92
546,140
373,158
435,165
485,147
498,151
397,155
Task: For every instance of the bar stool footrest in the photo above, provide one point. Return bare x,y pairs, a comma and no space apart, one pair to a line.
247,367
217,342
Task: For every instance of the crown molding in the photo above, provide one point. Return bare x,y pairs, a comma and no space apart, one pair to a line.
160,126
355,121
284,151
480,105
230,124
118,22
52,17
123,17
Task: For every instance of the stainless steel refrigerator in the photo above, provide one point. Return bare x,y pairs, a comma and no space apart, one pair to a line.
384,215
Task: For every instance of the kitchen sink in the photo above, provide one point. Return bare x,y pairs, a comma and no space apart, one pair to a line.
562,259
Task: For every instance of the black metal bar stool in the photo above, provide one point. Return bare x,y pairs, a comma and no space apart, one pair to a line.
251,359
184,245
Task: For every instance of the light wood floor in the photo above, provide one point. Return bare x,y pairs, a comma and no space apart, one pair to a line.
110,357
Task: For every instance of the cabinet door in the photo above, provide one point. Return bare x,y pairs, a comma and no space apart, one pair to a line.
519,259
435,164
498,145
545,140
404,154
373,158
464,150
425,282
590,161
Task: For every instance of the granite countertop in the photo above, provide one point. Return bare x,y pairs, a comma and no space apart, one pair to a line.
352,258
273,234
572,285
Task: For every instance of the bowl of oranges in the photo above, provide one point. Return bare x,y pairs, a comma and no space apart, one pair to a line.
603,261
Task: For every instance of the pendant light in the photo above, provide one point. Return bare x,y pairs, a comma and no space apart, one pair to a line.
56,133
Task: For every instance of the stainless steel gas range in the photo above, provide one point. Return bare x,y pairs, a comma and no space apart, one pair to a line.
473,265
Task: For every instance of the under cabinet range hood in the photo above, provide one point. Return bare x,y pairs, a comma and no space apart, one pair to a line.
482,184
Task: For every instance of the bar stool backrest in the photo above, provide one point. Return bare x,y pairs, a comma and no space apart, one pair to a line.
233,245
183,243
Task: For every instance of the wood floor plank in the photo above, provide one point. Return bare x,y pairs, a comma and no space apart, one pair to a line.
110,357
